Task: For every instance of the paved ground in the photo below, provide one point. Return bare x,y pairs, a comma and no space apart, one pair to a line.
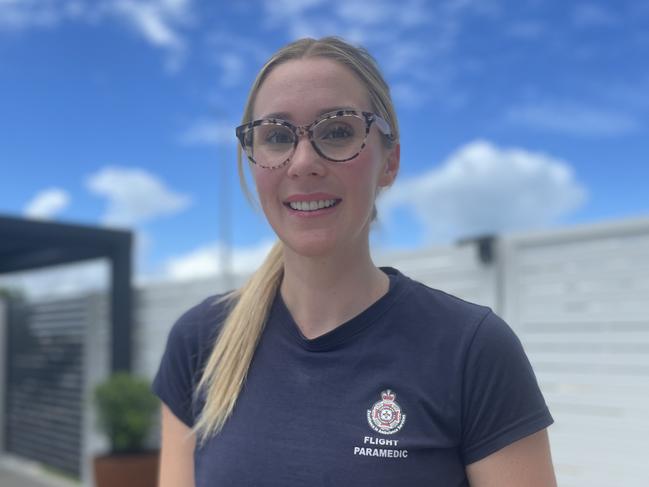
9,478
14,473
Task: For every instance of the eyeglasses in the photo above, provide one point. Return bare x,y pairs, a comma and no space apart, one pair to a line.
337,136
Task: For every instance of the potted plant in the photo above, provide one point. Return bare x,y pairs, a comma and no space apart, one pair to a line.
126,411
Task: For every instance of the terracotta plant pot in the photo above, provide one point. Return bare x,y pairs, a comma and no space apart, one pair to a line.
127,470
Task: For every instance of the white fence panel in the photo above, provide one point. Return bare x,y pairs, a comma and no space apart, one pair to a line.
156,309
579,301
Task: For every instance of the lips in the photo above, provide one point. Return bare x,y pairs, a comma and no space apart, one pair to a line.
308,197
312,203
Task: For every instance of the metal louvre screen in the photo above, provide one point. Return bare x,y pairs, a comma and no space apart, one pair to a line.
45,382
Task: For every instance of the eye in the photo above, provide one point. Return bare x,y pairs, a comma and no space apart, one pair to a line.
337,131
274,135
278,137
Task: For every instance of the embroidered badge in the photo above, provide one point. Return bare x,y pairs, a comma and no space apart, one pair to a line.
386,416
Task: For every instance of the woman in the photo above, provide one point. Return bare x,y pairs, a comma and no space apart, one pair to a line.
323,369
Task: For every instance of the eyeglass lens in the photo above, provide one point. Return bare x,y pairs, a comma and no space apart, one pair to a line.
338,139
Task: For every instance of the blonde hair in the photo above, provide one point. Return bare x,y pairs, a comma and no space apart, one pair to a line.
226,369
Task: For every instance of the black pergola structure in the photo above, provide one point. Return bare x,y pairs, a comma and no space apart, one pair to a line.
34,244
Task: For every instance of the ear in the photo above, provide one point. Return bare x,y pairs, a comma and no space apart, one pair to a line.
391,166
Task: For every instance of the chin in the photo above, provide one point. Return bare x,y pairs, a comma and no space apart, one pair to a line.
316,248
315,244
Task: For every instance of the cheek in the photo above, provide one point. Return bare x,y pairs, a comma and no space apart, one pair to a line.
265,182
365,175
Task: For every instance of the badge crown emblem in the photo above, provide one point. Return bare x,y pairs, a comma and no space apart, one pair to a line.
386,416
388,395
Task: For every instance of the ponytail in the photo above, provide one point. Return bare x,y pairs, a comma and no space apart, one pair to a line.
229,362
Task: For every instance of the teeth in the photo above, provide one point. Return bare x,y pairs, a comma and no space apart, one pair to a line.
311,205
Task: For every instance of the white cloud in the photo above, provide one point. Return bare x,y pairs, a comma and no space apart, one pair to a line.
306,18
94,276
159,22
208,261
148,20
47,204
210,132
482,189
352,19
573,119
134,195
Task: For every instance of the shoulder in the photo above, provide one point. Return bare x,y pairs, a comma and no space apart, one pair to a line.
481,339
188,345
441,310
201,322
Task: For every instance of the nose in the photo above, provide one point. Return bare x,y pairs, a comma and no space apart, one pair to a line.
305,159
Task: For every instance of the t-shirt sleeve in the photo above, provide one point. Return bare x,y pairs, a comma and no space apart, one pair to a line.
174,381
501,399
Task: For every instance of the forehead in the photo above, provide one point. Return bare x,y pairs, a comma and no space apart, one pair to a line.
302,89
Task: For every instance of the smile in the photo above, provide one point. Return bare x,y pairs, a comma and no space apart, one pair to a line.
312,205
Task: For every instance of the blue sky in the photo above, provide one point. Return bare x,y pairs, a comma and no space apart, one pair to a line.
514,115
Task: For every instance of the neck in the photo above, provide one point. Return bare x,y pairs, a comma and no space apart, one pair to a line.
324,292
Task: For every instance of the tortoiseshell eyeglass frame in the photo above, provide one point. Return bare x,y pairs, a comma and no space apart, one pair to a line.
369,118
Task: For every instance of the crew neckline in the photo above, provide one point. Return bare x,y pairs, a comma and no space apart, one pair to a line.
346,330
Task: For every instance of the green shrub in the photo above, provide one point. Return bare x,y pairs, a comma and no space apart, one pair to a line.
126,411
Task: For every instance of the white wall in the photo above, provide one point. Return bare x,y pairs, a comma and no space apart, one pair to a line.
579,301
156,309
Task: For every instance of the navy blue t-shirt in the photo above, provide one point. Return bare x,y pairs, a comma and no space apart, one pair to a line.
408,392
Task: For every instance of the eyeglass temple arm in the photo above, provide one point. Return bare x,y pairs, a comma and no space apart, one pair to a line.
383,126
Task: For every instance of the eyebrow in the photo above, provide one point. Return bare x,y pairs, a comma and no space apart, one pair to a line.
287,116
